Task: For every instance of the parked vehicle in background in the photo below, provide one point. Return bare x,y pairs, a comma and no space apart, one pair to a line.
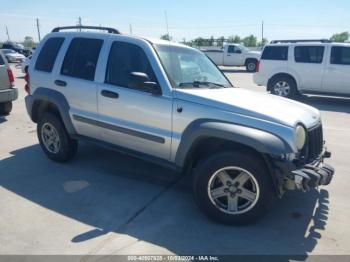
13,56
16,47
234,55
169,104
25,65
7,91
289,68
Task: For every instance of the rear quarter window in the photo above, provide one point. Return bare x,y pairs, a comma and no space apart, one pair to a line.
340,55
48,54
279,53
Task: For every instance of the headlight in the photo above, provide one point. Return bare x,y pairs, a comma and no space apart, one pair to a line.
300,137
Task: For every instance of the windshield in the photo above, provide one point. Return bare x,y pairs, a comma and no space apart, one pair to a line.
189,68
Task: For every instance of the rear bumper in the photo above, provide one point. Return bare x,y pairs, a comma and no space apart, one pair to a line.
8,95
29,104
259,80
306,176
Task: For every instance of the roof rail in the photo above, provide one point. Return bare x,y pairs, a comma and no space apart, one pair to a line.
301,41
108,29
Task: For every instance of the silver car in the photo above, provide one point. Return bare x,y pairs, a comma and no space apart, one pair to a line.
169,104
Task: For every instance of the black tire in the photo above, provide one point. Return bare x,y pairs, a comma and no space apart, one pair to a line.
247,161
293,90
67,146
5,108
251,65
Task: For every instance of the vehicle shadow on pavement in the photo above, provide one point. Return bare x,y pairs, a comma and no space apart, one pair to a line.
327,103
2,119
115,193
230,70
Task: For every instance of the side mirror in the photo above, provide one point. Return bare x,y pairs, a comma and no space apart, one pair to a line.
238,51
141,81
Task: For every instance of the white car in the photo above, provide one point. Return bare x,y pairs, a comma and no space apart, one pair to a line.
290,68
234,55
13,56
25,65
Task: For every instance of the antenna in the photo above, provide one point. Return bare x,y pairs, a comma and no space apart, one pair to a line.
130,28
166,23
79,23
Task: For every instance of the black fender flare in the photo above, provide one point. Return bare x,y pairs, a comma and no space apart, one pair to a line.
54,97
261,141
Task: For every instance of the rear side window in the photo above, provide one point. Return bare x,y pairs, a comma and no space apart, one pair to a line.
309,54
340,55
125,58
48,54
81,58
275,53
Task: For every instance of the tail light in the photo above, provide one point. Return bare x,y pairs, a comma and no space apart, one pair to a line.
27,85
258,66
11,77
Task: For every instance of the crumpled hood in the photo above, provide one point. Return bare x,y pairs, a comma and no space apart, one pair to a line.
253,104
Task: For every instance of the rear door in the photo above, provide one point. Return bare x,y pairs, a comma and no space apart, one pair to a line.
75,79
337,73
132,117
308,64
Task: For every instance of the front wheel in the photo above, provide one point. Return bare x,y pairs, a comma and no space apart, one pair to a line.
233,187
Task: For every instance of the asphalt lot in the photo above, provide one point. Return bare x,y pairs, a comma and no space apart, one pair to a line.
107,203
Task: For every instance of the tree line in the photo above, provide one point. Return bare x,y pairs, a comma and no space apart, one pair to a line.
249,41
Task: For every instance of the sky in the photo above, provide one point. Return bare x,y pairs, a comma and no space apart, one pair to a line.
186,19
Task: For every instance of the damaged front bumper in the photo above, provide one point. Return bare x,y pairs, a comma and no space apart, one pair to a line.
304,177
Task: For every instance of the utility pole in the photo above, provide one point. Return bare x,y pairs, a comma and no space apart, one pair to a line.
8,35
38,27
262,32
166,23
79,23
130,28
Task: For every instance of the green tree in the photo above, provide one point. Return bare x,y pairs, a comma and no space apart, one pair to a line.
250,41
263,42
341,37
234,39
166,37
29,42
220,41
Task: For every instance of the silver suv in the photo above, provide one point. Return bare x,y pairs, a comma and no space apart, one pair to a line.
170,104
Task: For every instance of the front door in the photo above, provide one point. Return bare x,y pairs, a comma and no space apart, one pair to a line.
233,56
133,118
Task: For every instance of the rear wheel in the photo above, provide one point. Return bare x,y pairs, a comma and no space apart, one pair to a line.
54,139
233,187
284,86
251,65
5,108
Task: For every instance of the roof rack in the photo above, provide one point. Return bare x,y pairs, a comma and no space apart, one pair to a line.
108,29
301,41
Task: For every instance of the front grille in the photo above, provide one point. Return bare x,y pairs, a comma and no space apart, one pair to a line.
314,142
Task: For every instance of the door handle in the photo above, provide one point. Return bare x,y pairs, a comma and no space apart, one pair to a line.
109,94
60,83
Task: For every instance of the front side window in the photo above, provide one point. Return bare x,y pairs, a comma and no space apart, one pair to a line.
81,58
275,53
124,59
309,54
186,65
340,55
48,54
231,49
